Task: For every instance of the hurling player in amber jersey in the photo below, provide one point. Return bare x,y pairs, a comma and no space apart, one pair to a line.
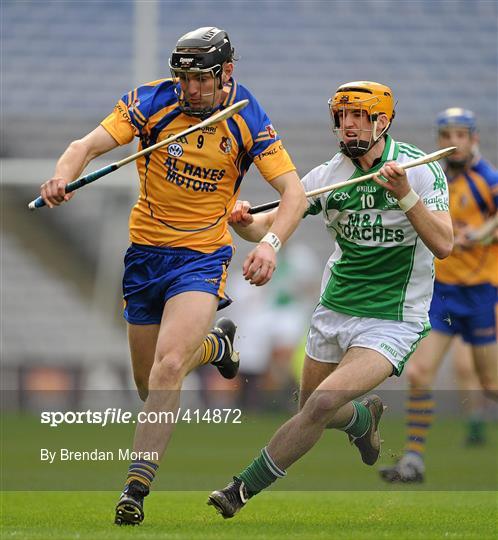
465,295
176,265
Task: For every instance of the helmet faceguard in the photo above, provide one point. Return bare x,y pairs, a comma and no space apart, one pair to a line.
371,97
200,55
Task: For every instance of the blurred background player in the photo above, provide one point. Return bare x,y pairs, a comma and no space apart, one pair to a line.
274,318
176,266
464,294
476,407
376,289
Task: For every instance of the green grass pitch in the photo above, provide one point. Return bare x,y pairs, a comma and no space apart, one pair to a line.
328,494
276,515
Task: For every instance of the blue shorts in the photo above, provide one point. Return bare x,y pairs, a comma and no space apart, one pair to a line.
468,311
153,275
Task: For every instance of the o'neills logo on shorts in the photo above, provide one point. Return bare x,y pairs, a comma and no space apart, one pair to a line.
388,348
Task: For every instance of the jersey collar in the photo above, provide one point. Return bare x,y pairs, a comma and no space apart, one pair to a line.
231,88
391,150
390,153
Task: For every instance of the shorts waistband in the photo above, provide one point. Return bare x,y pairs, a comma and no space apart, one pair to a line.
160,250
487,286
166,250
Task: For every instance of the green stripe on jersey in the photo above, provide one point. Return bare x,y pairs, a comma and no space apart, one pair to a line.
405,286
382,297
414,152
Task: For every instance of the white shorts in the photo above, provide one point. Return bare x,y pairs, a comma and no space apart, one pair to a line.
331,334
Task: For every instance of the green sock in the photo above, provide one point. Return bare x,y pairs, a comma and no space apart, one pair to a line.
360,421
476,429
261,473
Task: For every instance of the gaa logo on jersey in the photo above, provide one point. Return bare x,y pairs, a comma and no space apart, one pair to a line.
340,196
175,150
226,145
390,200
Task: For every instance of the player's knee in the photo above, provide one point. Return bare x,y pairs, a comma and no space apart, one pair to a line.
489,386
464,371
321,406
418,375
168,370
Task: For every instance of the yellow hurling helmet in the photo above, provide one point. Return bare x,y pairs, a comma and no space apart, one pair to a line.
372,97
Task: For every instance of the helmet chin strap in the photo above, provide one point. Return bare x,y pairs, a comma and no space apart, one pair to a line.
358,148
355,149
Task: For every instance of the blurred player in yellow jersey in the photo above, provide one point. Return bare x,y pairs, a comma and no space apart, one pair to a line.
176,266
465,292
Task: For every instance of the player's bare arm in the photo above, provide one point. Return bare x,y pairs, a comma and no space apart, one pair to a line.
434,227
486,234
468,237
261,261
248,226
72,163
292,206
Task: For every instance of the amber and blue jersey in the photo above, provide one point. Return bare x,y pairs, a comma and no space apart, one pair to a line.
465,293
189,187
473,199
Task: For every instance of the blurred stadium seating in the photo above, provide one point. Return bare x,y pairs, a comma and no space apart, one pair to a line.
63,69
64,64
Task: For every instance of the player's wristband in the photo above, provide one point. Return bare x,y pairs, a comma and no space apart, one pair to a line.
408,201
273,240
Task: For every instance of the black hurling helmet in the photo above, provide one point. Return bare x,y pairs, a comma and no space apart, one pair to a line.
197,53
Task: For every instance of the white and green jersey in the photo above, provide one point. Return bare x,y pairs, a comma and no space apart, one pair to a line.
380,267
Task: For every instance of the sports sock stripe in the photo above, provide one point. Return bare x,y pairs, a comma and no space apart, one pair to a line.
420,415
213,349
352,421
142,471
271,464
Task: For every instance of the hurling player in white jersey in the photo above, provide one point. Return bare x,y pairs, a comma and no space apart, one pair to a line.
376,290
